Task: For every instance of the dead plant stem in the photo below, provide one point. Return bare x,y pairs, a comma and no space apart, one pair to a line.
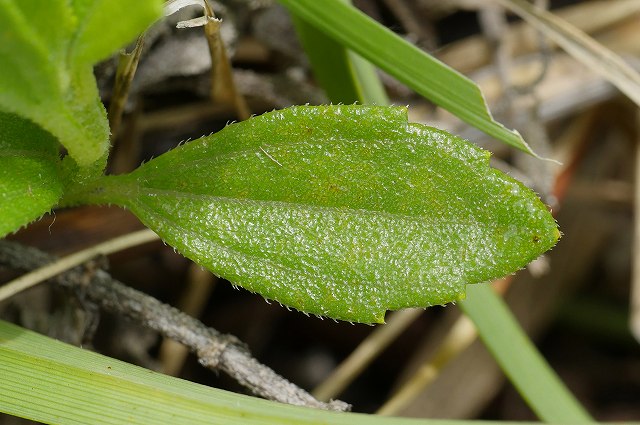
214,350
50,269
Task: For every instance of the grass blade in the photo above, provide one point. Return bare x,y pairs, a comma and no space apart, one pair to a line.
519,359
345,76
411,66
52,382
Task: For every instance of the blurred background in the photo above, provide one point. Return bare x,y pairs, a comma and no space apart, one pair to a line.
575,302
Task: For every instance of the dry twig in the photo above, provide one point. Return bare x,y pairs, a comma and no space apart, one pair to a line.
214,350
223,88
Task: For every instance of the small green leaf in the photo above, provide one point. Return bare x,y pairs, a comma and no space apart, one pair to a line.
339,211
30,182
46,55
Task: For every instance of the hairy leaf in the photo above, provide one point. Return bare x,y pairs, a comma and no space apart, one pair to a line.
339,211
46,55
30,182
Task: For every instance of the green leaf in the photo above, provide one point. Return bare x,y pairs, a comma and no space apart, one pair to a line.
30,182
519,358
340,211
401,59
46,57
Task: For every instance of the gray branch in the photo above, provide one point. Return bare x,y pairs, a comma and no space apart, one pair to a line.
214,350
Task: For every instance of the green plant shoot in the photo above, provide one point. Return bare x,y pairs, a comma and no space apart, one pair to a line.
339,211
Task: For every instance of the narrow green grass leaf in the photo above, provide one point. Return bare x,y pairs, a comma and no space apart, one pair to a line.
373,92
51,382
341,211
345,76
30,182
46,55
519,359
329,59
411,66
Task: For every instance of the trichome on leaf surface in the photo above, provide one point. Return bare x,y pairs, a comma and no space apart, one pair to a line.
339,211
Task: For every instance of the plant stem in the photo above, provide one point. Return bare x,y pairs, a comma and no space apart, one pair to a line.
103,190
